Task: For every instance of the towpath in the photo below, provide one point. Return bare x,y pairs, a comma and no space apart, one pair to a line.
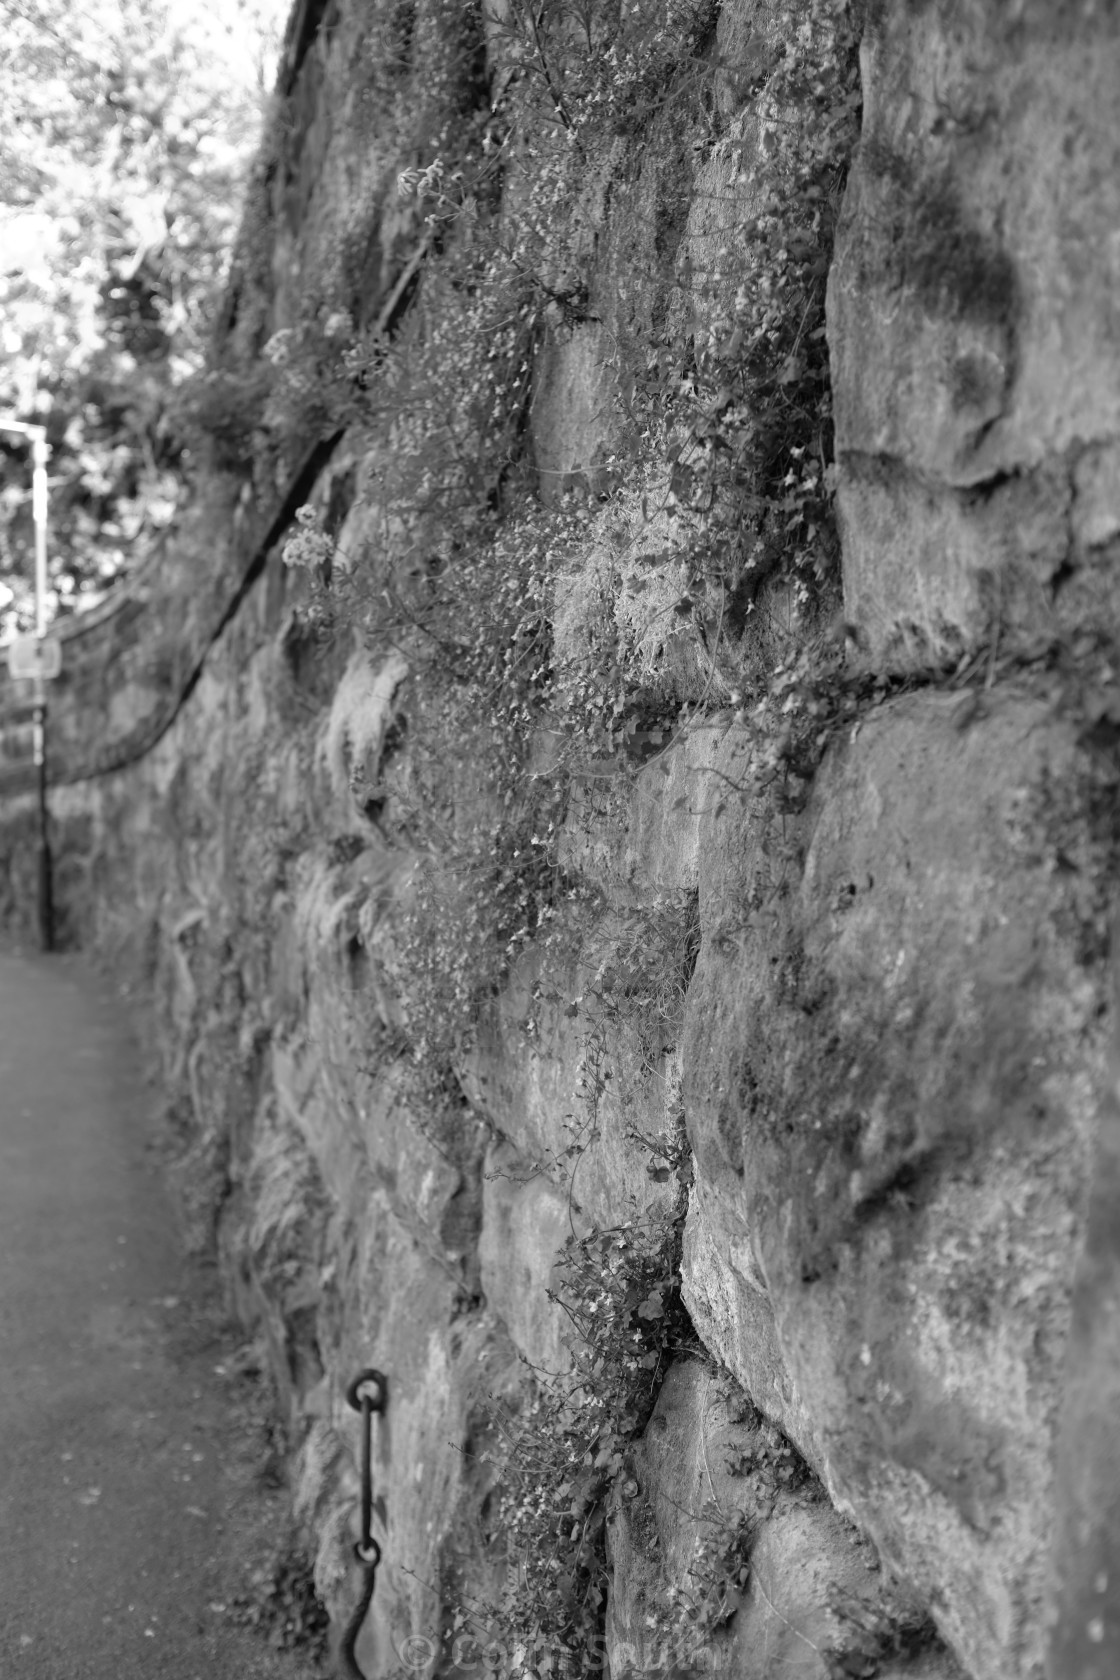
129,1469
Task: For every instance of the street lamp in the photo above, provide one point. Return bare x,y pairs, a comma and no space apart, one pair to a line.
40,667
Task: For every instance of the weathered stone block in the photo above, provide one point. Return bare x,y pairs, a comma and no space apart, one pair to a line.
525,1223
727,1559
889,1085
973,326
574,418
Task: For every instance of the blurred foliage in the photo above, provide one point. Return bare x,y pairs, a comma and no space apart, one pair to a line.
282,1603
129,129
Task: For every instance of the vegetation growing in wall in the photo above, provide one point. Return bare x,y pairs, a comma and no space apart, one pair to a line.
680,570
683,571
689,568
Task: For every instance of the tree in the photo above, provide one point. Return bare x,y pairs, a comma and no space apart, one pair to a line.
129,126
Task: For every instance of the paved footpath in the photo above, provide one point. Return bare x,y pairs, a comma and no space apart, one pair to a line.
122,1454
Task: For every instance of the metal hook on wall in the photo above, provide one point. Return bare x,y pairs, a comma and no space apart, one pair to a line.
366,1394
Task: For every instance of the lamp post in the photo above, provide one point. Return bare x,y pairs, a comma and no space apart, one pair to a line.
40,455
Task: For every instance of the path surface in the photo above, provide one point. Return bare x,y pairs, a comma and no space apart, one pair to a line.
125,1489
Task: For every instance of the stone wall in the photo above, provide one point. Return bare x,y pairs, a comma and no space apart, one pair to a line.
879,1083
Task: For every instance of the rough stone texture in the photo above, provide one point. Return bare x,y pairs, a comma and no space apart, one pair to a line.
573,418
348,1236
544,1095
973,328
525,1222
1085,1639
876,1057
705,1470
889,1088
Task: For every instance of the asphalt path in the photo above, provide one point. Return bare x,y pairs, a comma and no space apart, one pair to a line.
122,1462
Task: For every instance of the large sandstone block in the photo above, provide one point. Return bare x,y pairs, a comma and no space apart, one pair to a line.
727,1558
973,328
891,1064
525,1223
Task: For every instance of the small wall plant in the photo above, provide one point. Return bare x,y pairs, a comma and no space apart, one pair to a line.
566,1438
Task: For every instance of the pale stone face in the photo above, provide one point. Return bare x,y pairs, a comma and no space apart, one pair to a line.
893,1142
974,333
